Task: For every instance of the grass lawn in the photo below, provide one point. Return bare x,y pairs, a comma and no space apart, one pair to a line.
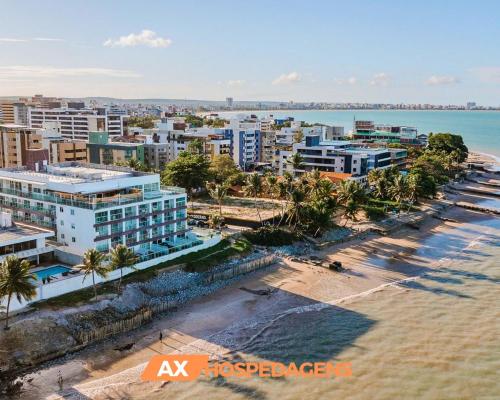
198,261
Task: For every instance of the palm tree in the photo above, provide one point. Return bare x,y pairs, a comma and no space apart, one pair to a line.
296,207
253,188
349,190
296,161
122,257
93,265
378,182
16,279
399,189
272,188
217,192
351,210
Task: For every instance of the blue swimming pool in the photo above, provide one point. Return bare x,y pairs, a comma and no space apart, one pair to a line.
52,271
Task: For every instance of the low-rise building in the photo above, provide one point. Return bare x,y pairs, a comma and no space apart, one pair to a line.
23,241
101,151
368,130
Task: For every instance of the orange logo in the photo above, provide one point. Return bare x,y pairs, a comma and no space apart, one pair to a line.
188,367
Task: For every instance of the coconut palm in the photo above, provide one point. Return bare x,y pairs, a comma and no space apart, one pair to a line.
295,209
351,210
217,192
296,161
378,183
93,265
272,188
253,188
122,257
399,189
215,221
349,190
16,280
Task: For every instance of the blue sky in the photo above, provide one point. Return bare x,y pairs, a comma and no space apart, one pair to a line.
366,51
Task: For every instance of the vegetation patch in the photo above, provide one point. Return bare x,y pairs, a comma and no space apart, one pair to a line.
271,236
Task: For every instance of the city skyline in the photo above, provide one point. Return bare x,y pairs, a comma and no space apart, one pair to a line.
326,52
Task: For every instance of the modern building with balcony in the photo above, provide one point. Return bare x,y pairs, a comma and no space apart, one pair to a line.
96,206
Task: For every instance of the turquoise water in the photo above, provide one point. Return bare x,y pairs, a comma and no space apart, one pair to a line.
51,271
480,129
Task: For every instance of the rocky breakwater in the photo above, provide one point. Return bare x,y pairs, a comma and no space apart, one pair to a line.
45,335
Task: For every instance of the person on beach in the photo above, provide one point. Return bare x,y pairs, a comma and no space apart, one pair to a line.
161,336
60,380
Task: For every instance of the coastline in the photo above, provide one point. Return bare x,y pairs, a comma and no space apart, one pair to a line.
219,322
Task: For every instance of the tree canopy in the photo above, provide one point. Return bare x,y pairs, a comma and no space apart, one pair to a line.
447,143
189,171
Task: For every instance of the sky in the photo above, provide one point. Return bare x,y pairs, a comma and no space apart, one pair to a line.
439,52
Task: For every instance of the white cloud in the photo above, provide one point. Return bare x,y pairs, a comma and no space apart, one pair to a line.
236,82
380,79
291,77
436,80
487,74
145,38
33,71
45,39
12,40
349,81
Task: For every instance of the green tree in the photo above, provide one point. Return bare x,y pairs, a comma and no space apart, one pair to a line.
222,168
424,181
195,147
189,171
16,280
447,143
253,188
122,257
193,120
146,122
218,192
93,265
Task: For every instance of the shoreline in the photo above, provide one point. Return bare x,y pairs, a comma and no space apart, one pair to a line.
373,263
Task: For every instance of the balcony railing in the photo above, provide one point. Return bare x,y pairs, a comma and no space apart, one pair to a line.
90,202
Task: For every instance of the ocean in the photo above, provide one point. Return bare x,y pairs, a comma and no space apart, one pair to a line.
480,129
435,337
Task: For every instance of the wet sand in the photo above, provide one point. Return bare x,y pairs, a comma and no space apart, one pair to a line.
206,325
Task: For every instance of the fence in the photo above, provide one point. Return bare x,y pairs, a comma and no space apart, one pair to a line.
145,315
239,269
86,337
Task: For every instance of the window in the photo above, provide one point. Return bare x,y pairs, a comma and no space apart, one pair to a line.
115,214
61,209
72,226
72,212
62,223
62,235
73,239
101,217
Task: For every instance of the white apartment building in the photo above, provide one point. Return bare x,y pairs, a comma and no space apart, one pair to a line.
76,124
95,206
245,139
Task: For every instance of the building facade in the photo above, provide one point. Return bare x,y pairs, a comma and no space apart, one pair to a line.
89,206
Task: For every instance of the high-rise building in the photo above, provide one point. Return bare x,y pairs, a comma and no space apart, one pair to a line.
77,123
229,102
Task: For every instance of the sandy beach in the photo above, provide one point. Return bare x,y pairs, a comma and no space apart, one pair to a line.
212,324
